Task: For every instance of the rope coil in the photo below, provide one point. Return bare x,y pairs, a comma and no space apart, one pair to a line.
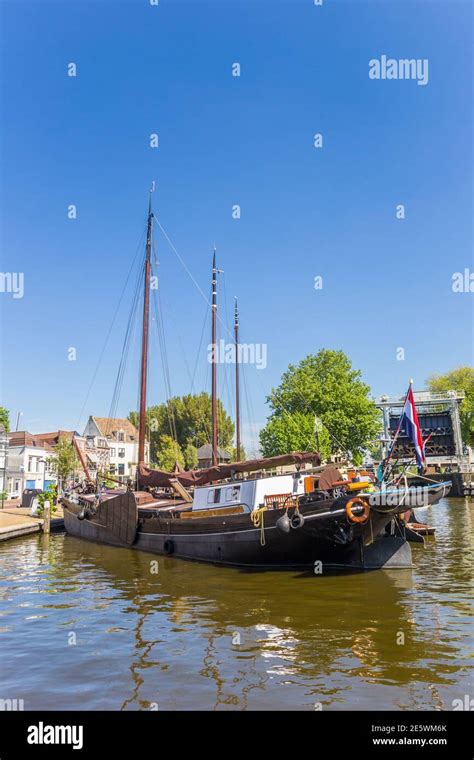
258,521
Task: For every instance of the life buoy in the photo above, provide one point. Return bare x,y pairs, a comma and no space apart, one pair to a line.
358,517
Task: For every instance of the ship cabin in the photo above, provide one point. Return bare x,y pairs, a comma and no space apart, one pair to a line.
250,494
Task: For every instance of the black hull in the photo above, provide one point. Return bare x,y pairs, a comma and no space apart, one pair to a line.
326,541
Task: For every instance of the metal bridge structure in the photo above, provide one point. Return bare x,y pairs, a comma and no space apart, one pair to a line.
438,415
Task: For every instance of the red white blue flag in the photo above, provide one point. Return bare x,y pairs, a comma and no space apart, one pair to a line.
412,428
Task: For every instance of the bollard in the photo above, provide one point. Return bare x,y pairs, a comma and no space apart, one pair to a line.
46,517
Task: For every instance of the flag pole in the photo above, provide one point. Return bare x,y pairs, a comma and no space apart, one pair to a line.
397,432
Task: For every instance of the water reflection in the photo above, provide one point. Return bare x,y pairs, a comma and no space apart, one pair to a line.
194,636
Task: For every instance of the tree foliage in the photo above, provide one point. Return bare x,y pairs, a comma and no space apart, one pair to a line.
327,386
169,454
5,418
190,418
190,456
66,459
459,379
232,450
293,432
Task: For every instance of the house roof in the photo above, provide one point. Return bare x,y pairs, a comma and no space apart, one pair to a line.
24,438
110,426
53,438
205,452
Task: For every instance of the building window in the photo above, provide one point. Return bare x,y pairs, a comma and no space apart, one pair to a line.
121,469
113,453
102,443
121,435
121,452
30,464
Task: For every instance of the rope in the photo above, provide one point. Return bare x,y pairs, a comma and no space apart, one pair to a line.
258,521
139,246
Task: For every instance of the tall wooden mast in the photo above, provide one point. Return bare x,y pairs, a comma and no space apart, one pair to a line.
144,360
237,383
214,361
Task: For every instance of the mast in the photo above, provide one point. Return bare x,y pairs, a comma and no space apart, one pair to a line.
81,459
144,360
214,361
237,386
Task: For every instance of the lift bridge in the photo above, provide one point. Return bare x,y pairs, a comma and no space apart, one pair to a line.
438,415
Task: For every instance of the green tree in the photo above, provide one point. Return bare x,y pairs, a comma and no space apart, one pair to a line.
459,379
232,450
293,432
66,460
185,419
5,418
190,456
169,453
327,386
51,495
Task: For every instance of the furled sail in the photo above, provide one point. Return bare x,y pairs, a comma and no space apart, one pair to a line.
161,479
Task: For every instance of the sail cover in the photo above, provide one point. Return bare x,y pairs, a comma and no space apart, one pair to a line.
161,479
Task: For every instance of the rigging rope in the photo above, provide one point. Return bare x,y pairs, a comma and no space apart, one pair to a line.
101,355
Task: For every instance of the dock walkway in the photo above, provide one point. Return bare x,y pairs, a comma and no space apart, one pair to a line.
17,521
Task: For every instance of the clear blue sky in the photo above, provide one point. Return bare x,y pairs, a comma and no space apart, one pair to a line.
225,140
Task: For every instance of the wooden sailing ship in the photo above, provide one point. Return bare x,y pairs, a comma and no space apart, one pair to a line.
237,514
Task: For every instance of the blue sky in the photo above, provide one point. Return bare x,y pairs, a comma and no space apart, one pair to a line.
227,140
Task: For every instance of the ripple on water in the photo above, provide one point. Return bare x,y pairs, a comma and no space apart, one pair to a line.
199,636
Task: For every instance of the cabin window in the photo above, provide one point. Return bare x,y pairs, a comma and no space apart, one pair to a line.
210,496
217,495
232,493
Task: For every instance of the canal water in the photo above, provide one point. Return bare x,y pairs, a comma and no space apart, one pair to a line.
89,627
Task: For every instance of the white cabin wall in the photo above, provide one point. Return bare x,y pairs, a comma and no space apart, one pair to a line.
277,485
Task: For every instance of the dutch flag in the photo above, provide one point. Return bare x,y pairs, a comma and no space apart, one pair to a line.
412,428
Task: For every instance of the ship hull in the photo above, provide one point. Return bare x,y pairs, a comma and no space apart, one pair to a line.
326,540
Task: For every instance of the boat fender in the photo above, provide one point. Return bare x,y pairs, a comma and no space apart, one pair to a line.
353,510
283,523
82,514
168,546
297,520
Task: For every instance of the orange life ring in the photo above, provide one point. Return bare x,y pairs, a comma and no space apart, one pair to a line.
356,502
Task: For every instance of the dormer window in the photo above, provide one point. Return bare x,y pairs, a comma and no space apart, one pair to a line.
121,435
